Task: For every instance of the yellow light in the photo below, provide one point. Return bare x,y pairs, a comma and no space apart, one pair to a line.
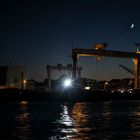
23,102
24,81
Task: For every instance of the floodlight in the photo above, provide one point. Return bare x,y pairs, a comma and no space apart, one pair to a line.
67,82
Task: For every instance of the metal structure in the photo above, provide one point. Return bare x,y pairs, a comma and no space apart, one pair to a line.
127,69
60,67
77,52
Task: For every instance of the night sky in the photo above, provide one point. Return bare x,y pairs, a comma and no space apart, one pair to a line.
40,33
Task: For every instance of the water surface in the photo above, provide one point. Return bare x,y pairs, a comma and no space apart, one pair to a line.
70,121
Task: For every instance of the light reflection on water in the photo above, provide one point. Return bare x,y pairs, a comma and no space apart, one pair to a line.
65,118
65,123
70,121
106,120
80,115
22,119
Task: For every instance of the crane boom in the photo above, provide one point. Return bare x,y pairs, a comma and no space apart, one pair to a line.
127,69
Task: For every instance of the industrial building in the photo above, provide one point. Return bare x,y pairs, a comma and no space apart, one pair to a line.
13,76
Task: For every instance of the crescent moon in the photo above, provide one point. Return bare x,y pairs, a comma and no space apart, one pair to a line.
132,25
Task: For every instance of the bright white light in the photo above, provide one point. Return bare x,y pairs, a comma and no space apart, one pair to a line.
67,83
87,88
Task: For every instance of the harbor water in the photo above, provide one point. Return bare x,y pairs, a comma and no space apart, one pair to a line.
110,120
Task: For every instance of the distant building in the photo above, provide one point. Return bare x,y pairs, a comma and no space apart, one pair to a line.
13,76
30,84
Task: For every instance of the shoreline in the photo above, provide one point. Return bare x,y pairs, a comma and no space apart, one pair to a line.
13,95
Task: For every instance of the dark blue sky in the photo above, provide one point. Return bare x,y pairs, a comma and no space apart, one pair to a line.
38,33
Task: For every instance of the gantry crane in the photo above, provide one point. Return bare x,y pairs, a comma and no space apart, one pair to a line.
77,52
